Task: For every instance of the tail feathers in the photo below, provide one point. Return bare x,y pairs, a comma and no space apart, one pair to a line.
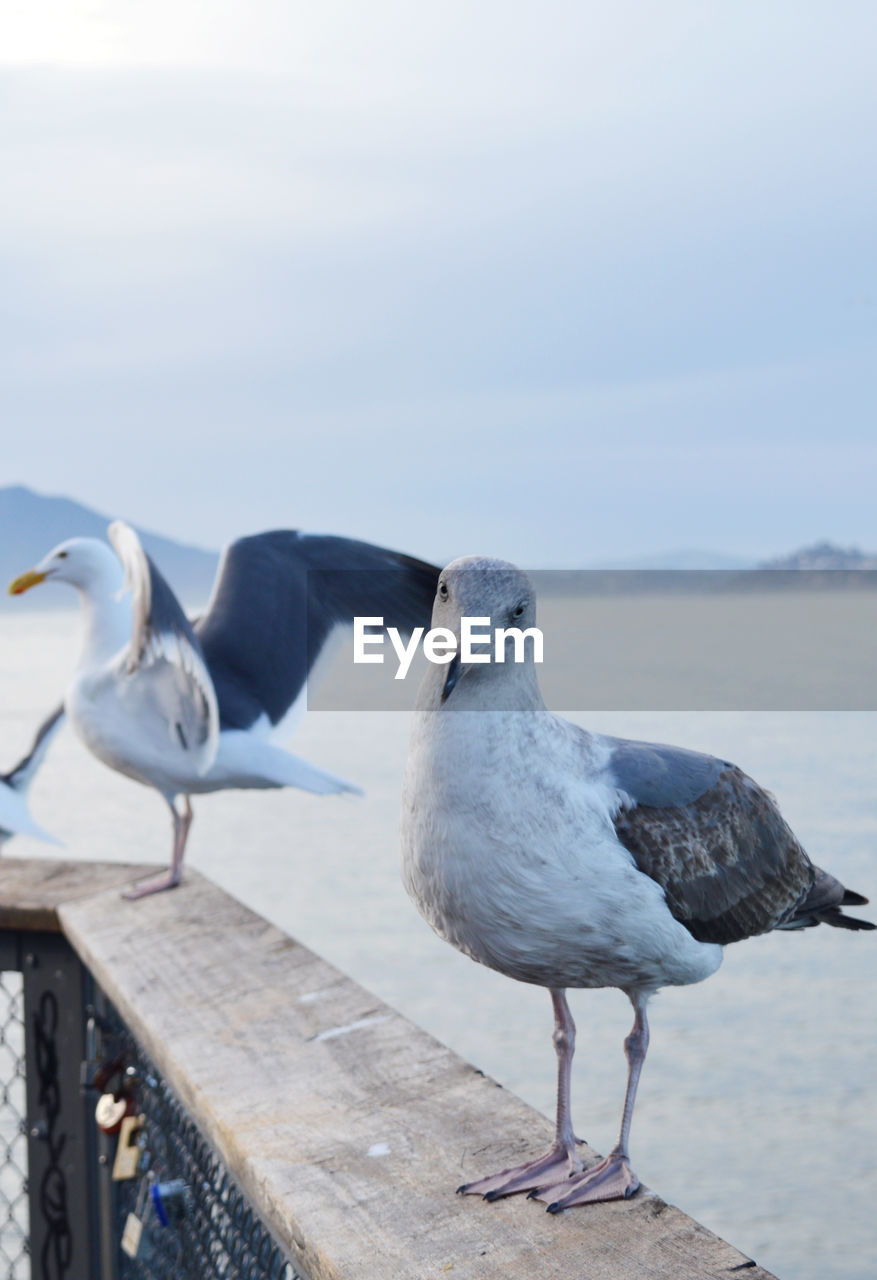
245,760
299,773
822,905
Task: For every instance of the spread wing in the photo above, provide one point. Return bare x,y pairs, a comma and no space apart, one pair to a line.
15,816
164,661
278,599
22,774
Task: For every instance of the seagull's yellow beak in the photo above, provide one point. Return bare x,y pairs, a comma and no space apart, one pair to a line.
24,583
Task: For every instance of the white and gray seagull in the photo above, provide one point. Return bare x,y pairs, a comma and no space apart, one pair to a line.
188,707
570,859
15,816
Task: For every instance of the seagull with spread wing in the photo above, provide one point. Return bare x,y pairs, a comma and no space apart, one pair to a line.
566,858
188,707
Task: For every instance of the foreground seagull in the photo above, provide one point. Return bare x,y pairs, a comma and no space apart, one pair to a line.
570,859
15,816
191,708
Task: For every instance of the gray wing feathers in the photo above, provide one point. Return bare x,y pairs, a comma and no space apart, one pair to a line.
183,704
716,842
728,863
656,775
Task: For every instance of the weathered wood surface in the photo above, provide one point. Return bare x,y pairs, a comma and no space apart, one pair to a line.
348,1127
31,889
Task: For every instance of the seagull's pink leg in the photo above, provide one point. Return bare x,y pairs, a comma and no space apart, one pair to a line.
561,1160
168,879
612,1178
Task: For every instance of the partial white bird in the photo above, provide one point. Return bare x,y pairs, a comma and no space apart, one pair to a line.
15,816
191,708
571,859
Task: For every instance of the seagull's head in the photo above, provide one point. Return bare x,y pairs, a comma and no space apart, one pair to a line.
84,563
492,595
480,587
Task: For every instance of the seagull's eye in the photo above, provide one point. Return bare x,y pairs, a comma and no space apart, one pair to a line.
443,590
62,555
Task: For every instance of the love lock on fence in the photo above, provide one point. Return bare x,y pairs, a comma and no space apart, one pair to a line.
160,1207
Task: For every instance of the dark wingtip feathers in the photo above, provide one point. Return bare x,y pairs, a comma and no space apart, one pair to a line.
822,905
827,915
837,918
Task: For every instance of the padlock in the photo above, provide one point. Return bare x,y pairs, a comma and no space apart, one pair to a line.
90,1066
128,1151
136,1239
170,1200
95,1072
132,1235
111,1111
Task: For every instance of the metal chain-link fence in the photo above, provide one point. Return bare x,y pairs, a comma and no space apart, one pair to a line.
14,1252
61,1212
211,1230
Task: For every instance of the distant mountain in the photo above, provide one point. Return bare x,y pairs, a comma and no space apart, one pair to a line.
824,555
32,523
821,555
822,566
682,559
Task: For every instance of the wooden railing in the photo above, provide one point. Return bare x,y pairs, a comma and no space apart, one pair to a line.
347,1127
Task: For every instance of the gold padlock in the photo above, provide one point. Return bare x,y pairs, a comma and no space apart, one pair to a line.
128,1151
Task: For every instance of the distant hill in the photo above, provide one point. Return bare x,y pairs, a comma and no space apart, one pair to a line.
681,559
32,523
821,555
821,566
824,555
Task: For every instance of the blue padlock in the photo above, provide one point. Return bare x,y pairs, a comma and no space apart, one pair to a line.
169,1200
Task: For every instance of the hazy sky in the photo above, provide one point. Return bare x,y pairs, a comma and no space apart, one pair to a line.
555,281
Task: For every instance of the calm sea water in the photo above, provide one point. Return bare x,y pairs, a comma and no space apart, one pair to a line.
757,1111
